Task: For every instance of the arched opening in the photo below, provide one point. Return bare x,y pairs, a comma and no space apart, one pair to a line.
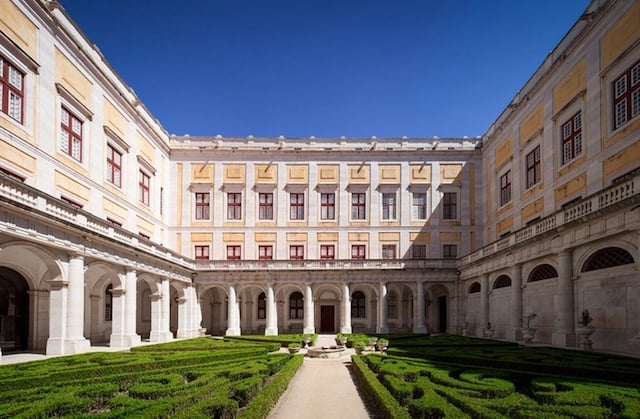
296,306
543,272
609,257
503,281
358,305
14,311
474,288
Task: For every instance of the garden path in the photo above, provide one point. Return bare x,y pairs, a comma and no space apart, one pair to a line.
322,388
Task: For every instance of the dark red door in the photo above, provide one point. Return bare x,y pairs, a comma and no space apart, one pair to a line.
327,319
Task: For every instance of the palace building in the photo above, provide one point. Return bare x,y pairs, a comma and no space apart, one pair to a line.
112,231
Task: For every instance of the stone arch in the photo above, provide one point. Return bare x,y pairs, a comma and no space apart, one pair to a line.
248,298
474,288
98,276
584,253
440,309
369,322
327,300
541,272
502,281
214,305
400,311
607,257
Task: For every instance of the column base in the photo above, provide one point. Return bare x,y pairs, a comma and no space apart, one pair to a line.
124,341
420,329
271,331
232,332
383,329
564,340
57,346
160,337
309,330
345,329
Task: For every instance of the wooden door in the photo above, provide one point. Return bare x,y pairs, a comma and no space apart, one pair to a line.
327,319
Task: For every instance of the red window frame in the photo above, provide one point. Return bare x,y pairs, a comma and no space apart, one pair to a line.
69,136
296,206
534,169
626,96
8,88
12,175
358,206
505,188
114,166
571,132
389,251
265,252
201,252
328,206
449,205
203,202
327,251
144,185
296,252
265,206
234,206
233,252
358,251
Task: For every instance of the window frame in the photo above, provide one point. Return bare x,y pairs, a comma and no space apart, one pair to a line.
328,251
533,167
358,305
327,207
265,207
571,137
389,205
7,88
296,252
202,252
265,252
385,247
296,206
505,187
234,206
626,97
113,167
358,206
67,130
296,306
450,206
234,252
358,251
422,206
202,208
144,188
449,251
413,251
262,306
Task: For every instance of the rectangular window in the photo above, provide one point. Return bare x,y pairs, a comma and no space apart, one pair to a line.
234,206
388,251
572,138
626,96
450,251
358,206
327,251
450,206
114,166
71,202
11,90
533,167
419,251
419,206
114,222
265,206
505,188
296,252
358,251
70,134
12,175
233,252
265,252
327,206
202,206
202,252
296,206
389,206
144,184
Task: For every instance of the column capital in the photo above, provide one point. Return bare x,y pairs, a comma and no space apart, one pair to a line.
75,255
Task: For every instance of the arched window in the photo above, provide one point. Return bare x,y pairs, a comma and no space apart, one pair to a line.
392,305
474,288
262,306
607,258
296,306
542,272
503,281
108,303
358,305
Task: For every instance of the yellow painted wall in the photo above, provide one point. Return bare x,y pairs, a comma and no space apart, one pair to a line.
298,174
388,237
145,147
531,124
621,161
450,236
572,84
359,173
358,237
533,209
619,134
505,224
201,172
234,173
114,119
265,237
504,152
328,174
450,172
70,186
73,80
575,163
144,225
17,158
19,28
572,187
201,237
420,173
296,237
389,174
624,33
233,237
113,209
266,173
421,237
327,237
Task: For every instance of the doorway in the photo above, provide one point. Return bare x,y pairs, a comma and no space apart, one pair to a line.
442,313
327,319
14,311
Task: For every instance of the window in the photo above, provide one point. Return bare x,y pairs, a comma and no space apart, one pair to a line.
358,206
389,206
70,134
202,205
607,258
11,90
234,206
296,306
626,96
388,251
233,252
392,305
450,206
419,251
572,138
505,188
265,252
296,206
419,206
114,166
327,251
202,252
358,251
71,202
12,175
450,251
474,288
542,272
108,303
358,305
144,183
114,222
503,281
262,306
296,252
533,167
265,206
144,235
327,206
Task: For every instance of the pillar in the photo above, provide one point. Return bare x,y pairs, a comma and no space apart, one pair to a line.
418,309
345,327
130,308
564,333
309,310
516,303
484,302
382,309
58,296
183,316
165,310
117,339
156,318
233,314
272,320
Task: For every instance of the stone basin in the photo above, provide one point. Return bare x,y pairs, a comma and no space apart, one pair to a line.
334,351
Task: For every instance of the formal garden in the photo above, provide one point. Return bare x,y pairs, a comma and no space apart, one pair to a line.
411,376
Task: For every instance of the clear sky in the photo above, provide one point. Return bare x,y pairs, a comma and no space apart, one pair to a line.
326,68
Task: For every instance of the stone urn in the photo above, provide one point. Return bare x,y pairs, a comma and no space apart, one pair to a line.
306,339
528,333
584,332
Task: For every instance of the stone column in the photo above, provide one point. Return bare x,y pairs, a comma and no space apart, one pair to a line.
382,309
346,310
484,303
96,334
418,309
156,318
118,338
564,327
272,321
58,297
309,310
183,314
130,309
516,303
165,310
75,341
233,322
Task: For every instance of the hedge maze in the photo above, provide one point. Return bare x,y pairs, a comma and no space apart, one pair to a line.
196,378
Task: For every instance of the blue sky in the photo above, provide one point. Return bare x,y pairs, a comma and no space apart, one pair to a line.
326,68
